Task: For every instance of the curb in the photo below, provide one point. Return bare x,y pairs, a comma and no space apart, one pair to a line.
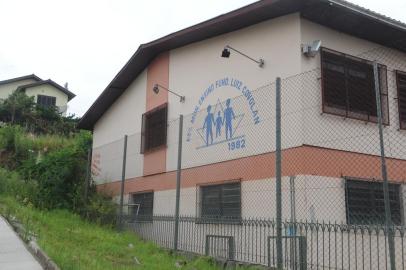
41,256
33,247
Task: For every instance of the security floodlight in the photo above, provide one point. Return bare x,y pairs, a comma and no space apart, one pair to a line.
311,50
316,45
156,91
226,54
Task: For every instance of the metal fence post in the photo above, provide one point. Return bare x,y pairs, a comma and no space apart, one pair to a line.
178,175
292,199
388,218
278,173
88,173
123,181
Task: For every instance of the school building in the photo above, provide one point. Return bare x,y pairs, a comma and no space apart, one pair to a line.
324,52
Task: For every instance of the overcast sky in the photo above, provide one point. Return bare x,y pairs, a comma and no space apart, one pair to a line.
86,42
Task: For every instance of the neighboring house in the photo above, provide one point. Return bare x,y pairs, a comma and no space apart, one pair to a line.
45,92
332,172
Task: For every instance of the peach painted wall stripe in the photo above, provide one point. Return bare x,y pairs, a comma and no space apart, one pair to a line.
303,160
158,72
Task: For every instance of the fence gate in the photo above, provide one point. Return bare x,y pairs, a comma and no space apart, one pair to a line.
219,246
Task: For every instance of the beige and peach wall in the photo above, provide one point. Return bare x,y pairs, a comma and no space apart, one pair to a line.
303,160
318,173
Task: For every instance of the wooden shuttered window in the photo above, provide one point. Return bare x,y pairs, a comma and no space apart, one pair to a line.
154,128
221,202
348,86
141,206
46,101
401,85
365,202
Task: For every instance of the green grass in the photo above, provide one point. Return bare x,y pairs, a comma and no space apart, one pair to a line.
76,244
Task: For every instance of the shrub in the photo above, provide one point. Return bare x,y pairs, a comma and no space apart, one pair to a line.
58,175
8,135
100,209
17,146
11,184
54,171
16,107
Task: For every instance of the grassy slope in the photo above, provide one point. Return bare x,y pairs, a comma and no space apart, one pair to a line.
75,244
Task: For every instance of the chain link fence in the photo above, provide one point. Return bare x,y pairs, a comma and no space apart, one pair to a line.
342,138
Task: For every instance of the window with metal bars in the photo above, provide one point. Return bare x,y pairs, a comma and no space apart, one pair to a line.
140,206
401,85
46,101
154,128
365,202
221,202
348,87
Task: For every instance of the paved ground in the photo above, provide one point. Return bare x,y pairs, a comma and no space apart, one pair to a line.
13,254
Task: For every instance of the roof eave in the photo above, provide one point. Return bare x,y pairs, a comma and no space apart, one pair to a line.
232,21
257,12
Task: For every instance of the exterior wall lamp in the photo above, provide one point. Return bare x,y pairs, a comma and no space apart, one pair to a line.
226,54
158,86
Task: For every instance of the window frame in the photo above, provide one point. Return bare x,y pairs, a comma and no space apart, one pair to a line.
144,130
397,74
217,219
371,189
145,218
52,98
347,113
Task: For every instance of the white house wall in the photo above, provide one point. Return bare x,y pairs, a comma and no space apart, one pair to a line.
122,118
124,115
48,90
9,88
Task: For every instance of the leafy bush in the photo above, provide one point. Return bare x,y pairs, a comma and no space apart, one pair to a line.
16,108
11,184
60,175
54,171
100,209
17,146
8,135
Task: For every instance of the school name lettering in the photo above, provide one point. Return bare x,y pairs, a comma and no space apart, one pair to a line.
235,84
227,115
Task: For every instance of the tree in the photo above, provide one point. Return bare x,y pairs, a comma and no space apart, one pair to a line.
17,107
21,109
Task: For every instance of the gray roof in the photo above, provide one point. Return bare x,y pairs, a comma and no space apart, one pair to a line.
22,78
